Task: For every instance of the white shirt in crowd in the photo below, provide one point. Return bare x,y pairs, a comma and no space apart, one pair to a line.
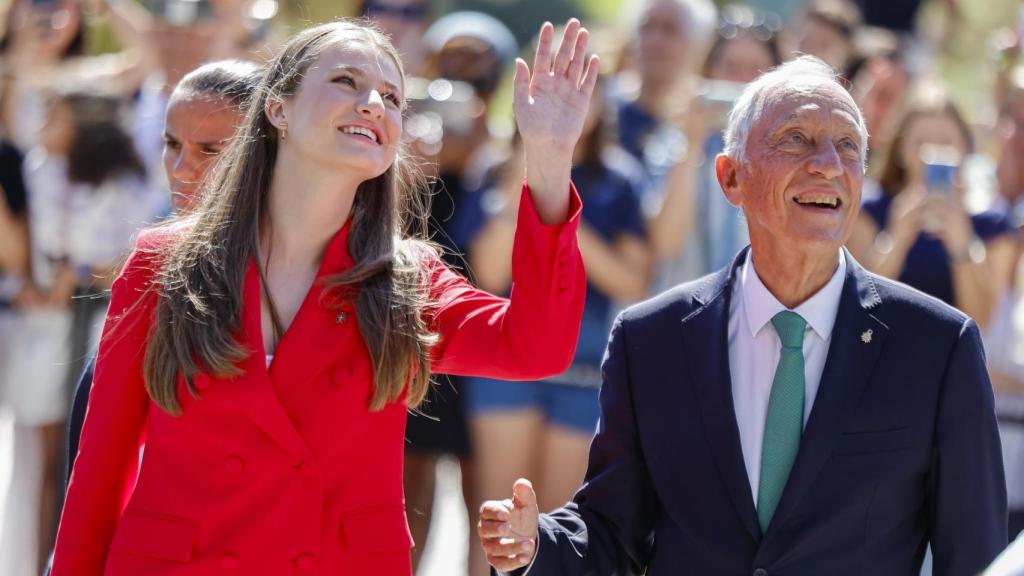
88,225
754,350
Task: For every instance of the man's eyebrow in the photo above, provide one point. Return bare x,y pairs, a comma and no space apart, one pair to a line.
785,123
362,74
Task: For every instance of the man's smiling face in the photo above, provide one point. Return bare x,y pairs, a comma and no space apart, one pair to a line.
804,165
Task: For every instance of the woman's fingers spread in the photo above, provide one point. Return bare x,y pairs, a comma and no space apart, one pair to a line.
590,80
579,57
542,58
521,82
565,48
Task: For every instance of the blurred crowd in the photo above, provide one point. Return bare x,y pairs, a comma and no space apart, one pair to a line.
104,131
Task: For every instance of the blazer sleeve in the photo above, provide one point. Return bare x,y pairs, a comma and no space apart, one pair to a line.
608,528
966,488
106,467
533,333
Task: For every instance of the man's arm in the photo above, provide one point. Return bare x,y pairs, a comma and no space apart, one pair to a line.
967,490
608,528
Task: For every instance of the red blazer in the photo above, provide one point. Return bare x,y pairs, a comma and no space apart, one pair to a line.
286,471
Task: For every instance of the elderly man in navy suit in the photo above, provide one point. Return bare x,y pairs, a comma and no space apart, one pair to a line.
792,414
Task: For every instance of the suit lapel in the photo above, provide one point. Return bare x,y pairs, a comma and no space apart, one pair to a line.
857,340
319,330
705,335
312,339
261,402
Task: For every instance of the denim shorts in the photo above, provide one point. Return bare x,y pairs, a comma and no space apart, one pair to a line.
568,405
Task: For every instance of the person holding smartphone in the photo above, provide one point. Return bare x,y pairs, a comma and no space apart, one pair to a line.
919,231
47,50
695,230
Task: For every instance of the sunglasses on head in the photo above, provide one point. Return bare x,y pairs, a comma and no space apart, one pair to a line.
411,12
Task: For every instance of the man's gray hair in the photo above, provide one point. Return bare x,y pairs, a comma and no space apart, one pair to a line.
751,104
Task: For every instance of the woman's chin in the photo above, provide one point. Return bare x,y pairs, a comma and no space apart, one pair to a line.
366,170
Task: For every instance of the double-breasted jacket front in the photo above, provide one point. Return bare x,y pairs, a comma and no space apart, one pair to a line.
285,470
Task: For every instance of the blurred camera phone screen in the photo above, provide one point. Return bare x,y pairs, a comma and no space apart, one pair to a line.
181,12
941,166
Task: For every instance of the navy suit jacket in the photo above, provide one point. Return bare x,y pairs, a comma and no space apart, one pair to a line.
900,449
77,417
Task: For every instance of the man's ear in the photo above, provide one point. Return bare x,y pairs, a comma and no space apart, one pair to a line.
727,170
276,114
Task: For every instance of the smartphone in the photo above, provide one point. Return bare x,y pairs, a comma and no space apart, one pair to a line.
181,12
941,169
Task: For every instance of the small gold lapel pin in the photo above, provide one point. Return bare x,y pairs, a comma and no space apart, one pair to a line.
866,336
341,317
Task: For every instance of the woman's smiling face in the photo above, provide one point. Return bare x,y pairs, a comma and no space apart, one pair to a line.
347,112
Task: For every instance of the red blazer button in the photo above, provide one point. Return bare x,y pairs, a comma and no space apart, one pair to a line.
234,465
306,562
228,562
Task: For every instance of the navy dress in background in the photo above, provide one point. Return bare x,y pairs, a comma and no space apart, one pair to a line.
610,190
927,266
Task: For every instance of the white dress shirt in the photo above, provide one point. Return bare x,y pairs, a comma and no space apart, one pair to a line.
754,349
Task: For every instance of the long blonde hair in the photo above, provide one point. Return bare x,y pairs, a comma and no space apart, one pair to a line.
202,272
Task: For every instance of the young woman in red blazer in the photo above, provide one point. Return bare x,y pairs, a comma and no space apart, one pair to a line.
265,348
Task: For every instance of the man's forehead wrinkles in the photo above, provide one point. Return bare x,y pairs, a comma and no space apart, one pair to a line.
807,109
810,111
801,112
846,120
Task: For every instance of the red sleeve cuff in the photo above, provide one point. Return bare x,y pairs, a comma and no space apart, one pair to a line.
528,213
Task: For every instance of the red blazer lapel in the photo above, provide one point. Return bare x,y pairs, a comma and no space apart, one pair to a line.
320,330
261,402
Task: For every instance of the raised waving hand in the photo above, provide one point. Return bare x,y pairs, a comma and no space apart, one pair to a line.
550,105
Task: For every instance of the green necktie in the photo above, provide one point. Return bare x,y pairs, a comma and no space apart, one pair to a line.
785,420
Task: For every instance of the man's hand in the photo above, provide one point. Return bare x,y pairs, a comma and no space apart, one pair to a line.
508,528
